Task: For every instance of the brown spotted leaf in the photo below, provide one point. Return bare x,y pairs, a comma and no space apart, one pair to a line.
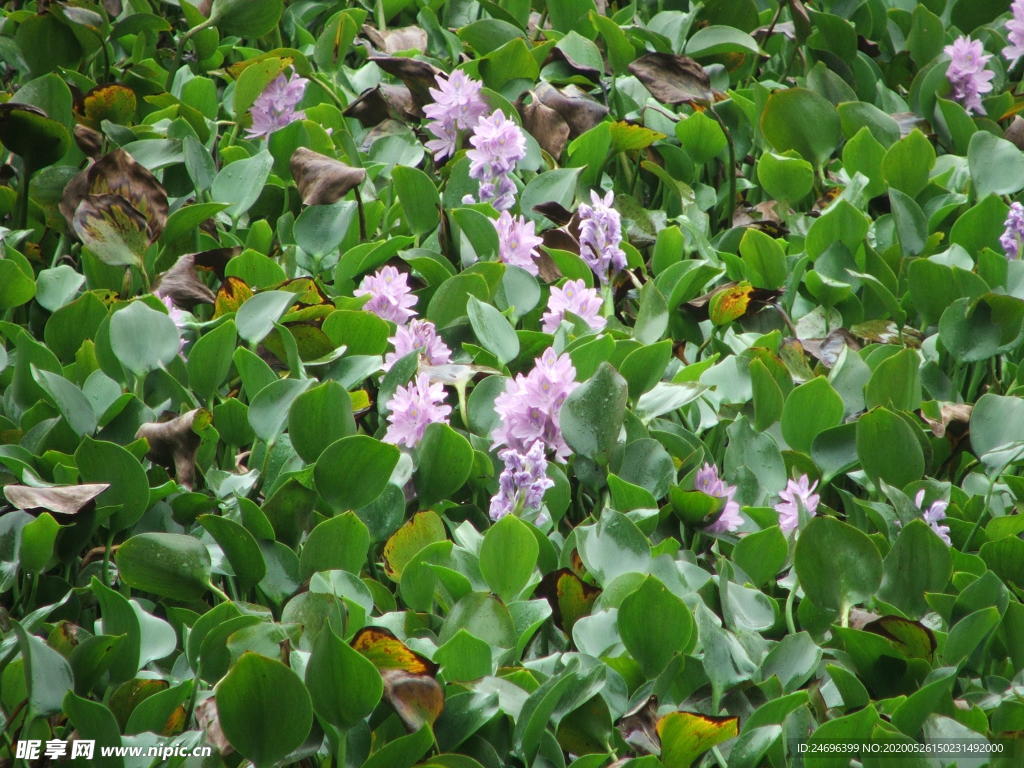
233,294
911,638
673,79
90,141
111,228
685,736
118,173
116,103
417,699
322,180
570,597
62,499
209,722
828,349
173,443
28,131
386,651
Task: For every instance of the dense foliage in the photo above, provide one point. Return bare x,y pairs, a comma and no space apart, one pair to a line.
472,384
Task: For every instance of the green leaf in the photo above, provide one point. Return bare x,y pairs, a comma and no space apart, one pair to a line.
785,178
918,562
240,183
444,459
1005,557
318,417
464,657
643,368
37,539
166,564
809,410
654,625
906,163
48,675
72,403
701,136
256,317
353,471
264,709
240,548
801,120
420,202
448,304
762,554
768,397
997,166
685,736
104,462
838,565
320,229
493,330
652,316
592,415
764,259
896,382
338,543
508,555
142,338
997,429
209,359
716,39
969,634
95,722
16,288
888,448
246,19
343,684
268,411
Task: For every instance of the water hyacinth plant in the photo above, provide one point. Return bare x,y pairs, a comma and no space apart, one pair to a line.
512,385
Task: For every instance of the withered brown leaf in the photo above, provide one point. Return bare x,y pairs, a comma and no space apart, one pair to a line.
673,79
322,180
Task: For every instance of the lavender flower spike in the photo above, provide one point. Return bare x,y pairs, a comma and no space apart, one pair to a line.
275,107
522,483
176,315
418,335
529,407
1015,33
392,297
1013,231
601,235
517,242
573,297
797,494
412,409
708,481
457,106
498,144
934,515
967,73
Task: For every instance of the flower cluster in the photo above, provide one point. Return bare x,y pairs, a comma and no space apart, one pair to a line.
1015,32
708,481
457,106
967,73
522,483
601,235
391,296
517,242
1013,230
498,144
797,493
934,515
529,406
573,297
176,315
413,407
275,107
418,335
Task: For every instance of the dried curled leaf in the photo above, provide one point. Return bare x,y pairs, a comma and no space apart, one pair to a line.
90,141
953,417
673,79
410,38
182,284
322,180
639,727
62,499
113,102
580,112
547,126
112,229
418,76
375,105
417,699
173,443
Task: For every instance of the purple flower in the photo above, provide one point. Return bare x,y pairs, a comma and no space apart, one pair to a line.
1013,230
967,73
419,335
522,483
498,144
530,404
392,297
600,235
275,107
934,515
412,408
517,242
709,482
177,315
573,297
1015,32
797,494
457,105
